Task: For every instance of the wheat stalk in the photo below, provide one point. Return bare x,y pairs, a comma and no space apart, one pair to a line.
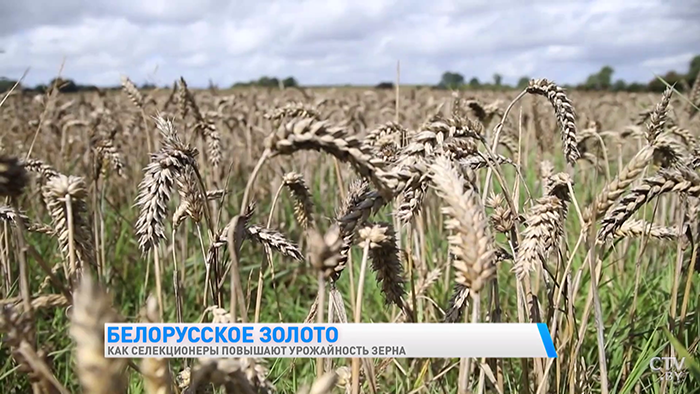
43,169
640,228
470,242
615,188
545,225
274,240
386,262
191,200
133,92
457,304
310,134
658,117
155,188
106,151
91,310
290,111
64,197
360,203
303,205
501,218
665,181
564,111
156,372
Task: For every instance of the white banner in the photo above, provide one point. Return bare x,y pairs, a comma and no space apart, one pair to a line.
364,340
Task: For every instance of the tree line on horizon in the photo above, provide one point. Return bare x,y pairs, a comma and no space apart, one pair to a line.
65,85
600,81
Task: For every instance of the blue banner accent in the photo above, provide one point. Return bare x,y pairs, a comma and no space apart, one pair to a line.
547,340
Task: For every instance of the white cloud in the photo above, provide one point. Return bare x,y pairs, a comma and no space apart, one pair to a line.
345,41
668,62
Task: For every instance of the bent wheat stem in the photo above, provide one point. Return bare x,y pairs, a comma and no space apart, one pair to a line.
358,315
251,179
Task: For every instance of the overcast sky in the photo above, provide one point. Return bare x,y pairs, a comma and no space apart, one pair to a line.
344,41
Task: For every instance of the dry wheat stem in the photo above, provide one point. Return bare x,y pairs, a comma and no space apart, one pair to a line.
221,240
156,371
236,285
91,310
465,363
358,314
323,385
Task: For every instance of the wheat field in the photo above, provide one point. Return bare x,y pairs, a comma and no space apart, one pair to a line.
576,209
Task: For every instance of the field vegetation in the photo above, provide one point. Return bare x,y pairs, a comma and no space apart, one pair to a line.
576,209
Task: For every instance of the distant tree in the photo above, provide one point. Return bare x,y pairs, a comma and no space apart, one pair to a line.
474,82
148,86
384,85
693,70
63,85
602,80
619,86
40,88
591,83
263,81
268,82
523,82
451,80
290,82
605,77
694,66
497,79
7,84
671,77
636,87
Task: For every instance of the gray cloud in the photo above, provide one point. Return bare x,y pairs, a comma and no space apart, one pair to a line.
344,41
